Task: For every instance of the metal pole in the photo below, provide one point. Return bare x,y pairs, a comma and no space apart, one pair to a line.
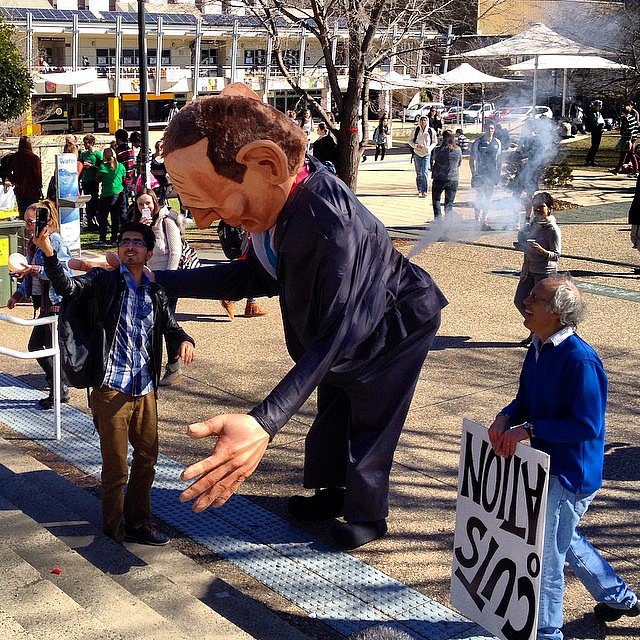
197,56
447,51
303,49
158,55
535,81
144,99
57,382
234,51
74,52
116,90
564,90
267,70
29,42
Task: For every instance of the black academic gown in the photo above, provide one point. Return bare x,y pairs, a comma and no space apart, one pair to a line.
359,319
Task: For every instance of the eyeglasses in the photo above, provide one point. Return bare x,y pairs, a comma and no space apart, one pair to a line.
134,242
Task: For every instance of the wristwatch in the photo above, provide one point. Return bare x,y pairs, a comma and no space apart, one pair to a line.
530,428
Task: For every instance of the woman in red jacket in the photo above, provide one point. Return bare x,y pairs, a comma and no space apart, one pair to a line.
24,170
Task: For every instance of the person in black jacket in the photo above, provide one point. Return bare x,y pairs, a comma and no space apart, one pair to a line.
126,371
359,318
325,148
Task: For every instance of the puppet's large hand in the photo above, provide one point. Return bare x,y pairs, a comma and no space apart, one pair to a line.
238,451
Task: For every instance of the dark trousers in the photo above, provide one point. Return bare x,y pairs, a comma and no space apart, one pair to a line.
41,339
25,201
596,139
110,206
120,419
354,436
172,353
450,188
380,150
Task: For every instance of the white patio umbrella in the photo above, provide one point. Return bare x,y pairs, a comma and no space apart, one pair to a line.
538,41
467,74
565,63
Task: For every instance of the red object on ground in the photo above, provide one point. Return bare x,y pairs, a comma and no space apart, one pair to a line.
56,571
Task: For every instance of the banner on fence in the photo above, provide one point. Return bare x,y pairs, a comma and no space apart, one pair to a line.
498,541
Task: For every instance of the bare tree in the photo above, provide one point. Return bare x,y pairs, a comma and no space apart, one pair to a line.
377,29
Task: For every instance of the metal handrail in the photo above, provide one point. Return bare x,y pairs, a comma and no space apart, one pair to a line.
42,353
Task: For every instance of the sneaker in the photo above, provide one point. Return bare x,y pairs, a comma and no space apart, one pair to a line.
47,403
146,533
171,375
606,613
633,176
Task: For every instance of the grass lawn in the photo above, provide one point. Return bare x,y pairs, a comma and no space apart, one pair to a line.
607,156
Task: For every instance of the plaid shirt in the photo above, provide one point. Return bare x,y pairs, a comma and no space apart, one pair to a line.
130,359
127,156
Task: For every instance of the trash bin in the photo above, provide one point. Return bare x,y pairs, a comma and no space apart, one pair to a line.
11,240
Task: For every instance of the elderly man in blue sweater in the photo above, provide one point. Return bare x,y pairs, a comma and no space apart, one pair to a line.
560,406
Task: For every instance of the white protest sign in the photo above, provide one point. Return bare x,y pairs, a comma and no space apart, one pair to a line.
498,542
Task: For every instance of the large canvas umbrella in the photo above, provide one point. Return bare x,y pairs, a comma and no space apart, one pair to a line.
466,74
566,62
537,41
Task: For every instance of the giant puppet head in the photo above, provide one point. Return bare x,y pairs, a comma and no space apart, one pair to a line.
233,157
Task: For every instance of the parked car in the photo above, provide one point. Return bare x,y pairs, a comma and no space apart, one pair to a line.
421,109
501,112
452,115
520,114
473,113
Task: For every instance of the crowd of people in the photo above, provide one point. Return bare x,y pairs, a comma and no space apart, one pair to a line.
333,265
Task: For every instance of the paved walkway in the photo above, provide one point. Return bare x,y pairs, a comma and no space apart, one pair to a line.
471,371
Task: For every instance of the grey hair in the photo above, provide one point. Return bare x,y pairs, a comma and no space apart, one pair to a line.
380,632
566,302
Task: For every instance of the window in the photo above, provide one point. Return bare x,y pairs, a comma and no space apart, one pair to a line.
152,57
209,56
129,57
255,58
106,57
291,57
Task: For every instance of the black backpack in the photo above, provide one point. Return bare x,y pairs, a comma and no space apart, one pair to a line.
234,240
82,341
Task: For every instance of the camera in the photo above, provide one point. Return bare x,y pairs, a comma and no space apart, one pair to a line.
42,219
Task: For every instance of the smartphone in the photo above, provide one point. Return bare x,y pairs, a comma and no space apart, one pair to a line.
42,219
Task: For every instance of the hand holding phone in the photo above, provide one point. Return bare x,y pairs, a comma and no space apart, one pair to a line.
42,219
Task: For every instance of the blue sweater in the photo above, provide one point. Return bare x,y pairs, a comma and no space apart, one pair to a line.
564,394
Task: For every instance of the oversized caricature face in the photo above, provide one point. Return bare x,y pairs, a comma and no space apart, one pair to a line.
255,203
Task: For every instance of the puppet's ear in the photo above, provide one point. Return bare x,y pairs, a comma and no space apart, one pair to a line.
240,89
266,157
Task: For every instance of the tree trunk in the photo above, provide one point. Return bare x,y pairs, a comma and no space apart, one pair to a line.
349,152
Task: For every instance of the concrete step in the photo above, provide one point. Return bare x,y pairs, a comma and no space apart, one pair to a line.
38,608
169,584
32,553
11,629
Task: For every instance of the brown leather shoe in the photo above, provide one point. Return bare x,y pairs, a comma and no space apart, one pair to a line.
252,310
229,306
